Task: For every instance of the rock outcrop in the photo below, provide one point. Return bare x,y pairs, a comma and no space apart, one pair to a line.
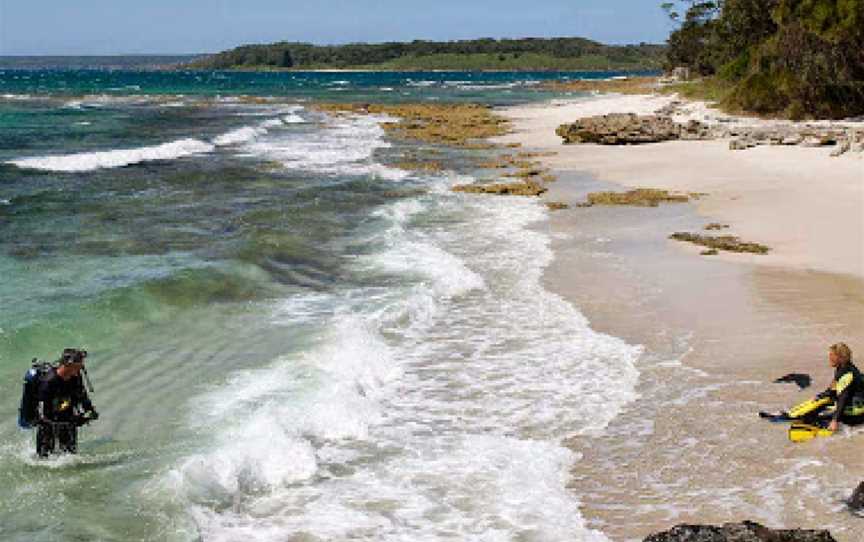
739,532
843,139
856,501
630,129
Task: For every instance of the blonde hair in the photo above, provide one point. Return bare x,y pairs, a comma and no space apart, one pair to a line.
842,351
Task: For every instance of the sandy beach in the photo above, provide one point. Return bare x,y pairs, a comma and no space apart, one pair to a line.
716,330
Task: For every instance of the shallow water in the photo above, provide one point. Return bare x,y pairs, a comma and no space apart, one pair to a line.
281,348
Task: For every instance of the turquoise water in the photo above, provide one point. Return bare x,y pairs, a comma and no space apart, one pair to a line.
290,337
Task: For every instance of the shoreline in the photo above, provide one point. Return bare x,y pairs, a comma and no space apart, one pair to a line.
812,225
716,330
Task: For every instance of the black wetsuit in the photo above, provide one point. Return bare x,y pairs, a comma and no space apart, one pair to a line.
61,403
847,391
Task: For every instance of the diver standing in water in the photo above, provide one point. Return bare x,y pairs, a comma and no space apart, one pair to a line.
847,388
56,401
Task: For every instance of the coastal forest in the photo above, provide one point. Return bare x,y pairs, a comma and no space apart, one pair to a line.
478,54
794,58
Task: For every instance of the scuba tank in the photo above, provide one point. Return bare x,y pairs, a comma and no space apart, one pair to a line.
28,413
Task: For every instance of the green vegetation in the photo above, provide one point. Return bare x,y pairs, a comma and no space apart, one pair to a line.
479,54
798,58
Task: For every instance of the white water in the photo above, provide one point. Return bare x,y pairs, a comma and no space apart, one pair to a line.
91,161
345,146
428,411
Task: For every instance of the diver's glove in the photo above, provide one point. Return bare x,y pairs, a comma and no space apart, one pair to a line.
87,417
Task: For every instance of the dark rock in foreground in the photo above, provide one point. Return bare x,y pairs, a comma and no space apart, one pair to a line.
856,501
738,532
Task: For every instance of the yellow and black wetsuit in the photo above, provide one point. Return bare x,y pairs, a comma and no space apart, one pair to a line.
847,391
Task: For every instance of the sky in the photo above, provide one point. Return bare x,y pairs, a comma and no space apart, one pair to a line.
106,27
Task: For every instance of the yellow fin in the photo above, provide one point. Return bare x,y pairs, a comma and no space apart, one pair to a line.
808,406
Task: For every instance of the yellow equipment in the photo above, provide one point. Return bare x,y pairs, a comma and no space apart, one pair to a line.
802,432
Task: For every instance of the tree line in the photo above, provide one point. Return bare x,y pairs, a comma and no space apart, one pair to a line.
800,58
306,55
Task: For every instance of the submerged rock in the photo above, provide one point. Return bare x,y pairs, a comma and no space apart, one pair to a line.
746,531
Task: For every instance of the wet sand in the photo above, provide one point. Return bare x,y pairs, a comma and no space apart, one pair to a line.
717,332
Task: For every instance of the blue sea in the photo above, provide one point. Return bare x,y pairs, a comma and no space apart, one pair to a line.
290,337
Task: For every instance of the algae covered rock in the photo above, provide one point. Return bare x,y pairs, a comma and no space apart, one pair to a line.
746,531
642,197
729,243
523,188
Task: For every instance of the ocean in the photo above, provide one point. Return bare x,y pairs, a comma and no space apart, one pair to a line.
290,337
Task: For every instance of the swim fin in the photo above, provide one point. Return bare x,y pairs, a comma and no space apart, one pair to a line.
775,418
802,432
809,407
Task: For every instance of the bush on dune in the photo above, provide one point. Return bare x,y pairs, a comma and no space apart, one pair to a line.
798,58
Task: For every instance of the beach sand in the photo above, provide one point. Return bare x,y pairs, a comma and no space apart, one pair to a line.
717,330
804,204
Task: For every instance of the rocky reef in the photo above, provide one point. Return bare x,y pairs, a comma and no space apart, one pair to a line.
456,125
631,129
641,197
746,531
729,243
620,85
463,126
521,188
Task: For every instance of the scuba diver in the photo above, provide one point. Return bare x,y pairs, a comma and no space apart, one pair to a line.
56,401
846,390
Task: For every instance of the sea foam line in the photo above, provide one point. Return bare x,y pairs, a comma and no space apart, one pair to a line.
91,161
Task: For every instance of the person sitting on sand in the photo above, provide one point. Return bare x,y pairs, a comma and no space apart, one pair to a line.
847,388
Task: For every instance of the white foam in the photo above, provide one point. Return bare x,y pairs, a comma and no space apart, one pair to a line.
344,147
271,123
293,118
433,407
91,161
240,135
265,419
481,488
21,97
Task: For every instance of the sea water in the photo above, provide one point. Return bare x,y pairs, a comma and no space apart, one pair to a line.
290,337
